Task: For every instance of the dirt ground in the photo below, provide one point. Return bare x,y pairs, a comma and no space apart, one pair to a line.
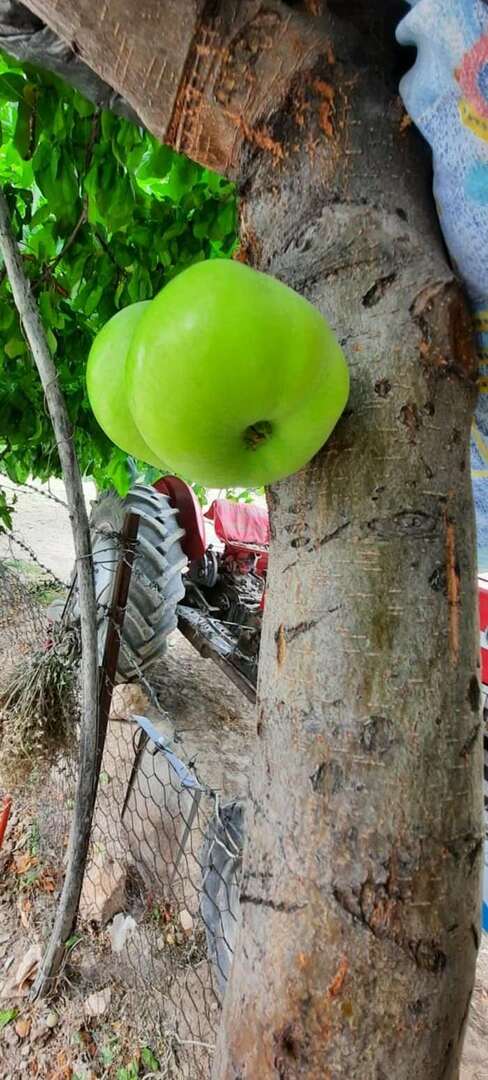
68,1039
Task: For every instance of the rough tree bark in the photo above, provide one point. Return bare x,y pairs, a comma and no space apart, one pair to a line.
360,896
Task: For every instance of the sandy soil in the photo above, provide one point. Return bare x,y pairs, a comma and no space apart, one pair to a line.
214,723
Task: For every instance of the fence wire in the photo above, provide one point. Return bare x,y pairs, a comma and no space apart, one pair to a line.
159,906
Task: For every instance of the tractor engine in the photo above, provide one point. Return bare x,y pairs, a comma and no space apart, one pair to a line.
228,588
221,612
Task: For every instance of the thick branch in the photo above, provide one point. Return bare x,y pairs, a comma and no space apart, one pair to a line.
85,792
203,77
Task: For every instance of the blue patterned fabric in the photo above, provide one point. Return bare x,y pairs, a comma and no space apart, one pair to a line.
446,94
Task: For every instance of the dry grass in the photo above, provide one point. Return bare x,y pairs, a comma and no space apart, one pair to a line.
39,704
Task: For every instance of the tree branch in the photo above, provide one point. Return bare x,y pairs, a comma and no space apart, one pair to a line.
85,794
204,78
49,271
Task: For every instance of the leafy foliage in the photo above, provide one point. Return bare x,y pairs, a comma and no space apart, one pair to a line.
104,216
6,510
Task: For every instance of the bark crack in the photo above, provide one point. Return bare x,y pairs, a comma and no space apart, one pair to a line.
378,904
274,905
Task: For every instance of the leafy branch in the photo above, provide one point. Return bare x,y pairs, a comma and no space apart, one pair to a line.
104,217
66,246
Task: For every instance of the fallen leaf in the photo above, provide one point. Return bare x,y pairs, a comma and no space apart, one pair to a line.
23,863
24,906
23,1027
64,1069
88,1042
98,1002
45,883
28,967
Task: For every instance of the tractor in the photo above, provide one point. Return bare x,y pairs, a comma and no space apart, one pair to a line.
214,593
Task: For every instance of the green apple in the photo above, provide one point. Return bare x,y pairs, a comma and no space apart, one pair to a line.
233,379
105,383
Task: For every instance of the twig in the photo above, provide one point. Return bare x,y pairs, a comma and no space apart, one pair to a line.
49,271
86,789
106,248
72,237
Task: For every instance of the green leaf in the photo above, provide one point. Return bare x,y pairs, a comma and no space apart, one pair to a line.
22,130
73,941
41,215
82,106
148,1059
108,1054
107,124
52,341
6,1017
12,86
7,316
15,346
6,510
118,472
42,241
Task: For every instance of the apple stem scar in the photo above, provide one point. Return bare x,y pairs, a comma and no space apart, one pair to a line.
257,433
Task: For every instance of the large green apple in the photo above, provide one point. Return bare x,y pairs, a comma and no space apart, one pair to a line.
105,383
233,379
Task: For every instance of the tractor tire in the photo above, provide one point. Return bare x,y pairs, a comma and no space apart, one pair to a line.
221,881
156,585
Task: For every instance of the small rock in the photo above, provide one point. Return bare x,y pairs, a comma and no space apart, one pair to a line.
161,942
186,921
51,1019
98,1002
121,926
104,890
170,937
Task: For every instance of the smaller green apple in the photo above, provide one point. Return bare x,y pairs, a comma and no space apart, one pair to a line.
105,383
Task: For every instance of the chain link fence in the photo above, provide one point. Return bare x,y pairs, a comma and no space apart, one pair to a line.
159,905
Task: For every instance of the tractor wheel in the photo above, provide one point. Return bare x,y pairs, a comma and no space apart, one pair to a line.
156,585
221,872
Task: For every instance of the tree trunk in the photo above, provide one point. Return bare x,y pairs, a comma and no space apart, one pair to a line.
360,898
